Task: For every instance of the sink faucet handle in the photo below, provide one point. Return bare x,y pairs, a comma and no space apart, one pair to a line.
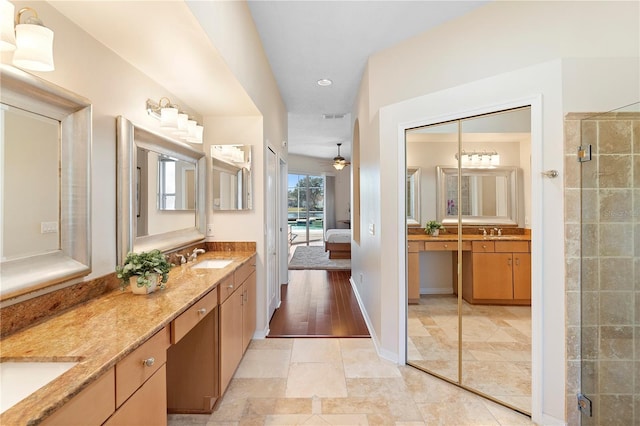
484,231
182,259
500,232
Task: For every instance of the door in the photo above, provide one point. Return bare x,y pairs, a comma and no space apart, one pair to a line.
273,286
306,208
610,267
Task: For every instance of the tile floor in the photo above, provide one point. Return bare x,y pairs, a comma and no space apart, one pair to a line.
496,349
341,382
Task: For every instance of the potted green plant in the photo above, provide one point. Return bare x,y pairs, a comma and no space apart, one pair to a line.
433,228
144,271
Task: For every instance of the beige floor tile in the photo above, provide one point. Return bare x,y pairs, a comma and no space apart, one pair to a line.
457,414
506,416
271,343
316,378
242,389
316,350
366,363
354,405
264,363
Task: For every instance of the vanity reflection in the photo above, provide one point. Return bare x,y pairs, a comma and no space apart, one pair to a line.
231,177
44,184
161,184
480,342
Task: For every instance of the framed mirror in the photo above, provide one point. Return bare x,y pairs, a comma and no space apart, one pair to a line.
413,195
488,196
161,191
45,184
231,177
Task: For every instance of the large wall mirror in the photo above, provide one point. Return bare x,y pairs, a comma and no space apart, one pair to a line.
488,196
231,177
44,183
161,191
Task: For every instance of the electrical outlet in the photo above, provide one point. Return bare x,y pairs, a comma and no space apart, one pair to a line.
209,230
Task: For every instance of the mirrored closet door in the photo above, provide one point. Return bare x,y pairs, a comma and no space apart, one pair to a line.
469,286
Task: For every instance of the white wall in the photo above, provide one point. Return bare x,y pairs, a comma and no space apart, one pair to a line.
513,57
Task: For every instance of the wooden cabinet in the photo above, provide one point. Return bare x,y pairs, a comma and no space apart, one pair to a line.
192,361
237,320
147,406
498,272
92,406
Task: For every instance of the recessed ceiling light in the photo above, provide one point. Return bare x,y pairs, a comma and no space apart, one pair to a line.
325,82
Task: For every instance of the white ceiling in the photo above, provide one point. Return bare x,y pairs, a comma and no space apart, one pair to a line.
309,40
304,41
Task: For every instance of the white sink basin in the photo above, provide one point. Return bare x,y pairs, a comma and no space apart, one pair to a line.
20,379
212,264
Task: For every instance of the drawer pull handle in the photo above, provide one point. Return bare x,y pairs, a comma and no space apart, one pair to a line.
149,361
202,311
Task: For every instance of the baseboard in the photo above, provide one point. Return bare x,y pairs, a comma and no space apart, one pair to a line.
374,338
436,291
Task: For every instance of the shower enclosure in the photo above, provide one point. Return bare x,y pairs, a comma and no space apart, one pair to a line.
609,226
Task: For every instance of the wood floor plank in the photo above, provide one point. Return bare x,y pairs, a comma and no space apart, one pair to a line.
318,303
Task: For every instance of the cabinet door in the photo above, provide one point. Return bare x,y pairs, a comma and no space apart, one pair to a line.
248,310
492,276
230,337
147,406
522,276
413,271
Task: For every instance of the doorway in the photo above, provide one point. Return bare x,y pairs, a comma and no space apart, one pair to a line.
469,289
305,216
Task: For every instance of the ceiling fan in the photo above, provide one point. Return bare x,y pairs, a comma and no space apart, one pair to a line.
339,161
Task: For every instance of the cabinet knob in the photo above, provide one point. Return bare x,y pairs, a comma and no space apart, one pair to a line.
517,261
446,246
202,311
484,246
149,361
230,286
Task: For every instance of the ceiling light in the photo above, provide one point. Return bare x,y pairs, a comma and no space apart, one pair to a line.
31,41
175,121
324,82
339,161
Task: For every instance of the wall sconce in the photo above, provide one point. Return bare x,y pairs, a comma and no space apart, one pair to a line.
31,42
479,158
175,121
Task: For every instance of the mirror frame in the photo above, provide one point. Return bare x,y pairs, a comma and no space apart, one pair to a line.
130,137
73,259
413,174
510,172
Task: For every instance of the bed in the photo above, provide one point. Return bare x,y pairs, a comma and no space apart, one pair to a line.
338,243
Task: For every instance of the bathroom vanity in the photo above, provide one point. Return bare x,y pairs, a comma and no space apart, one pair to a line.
495,269
139,357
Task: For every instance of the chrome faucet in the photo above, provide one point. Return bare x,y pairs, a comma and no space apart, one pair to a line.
484,231
182,259
193,256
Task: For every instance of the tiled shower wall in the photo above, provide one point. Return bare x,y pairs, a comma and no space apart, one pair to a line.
603,338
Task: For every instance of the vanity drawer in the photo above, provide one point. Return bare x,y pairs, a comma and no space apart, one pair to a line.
512,246
445,245
192,316
226,287
483,246
139,365
415,246
244,270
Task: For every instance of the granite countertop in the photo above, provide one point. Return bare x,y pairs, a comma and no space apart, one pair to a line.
469,237
101,332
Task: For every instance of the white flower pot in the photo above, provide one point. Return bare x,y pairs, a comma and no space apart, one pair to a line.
133,283
435,232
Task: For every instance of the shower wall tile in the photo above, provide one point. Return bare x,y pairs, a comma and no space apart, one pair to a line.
572,172
616,410
572,205
616,205
572,240
588,308
615,137
571,136
615,171
636,170
616,307
615,240
589,274
636,136
573,308
616,273
590,241
588,203
590,338
614,378
589,132
616,343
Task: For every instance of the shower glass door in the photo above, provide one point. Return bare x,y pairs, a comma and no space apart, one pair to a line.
610,267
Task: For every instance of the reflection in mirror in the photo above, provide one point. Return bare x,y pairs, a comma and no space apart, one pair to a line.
231,177
413,195
488,196
160,191
45,156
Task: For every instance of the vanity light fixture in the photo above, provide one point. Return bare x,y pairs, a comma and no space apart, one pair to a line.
7,31
479,158
175,121
32,43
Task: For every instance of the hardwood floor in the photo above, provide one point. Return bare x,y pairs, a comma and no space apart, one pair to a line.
318,303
